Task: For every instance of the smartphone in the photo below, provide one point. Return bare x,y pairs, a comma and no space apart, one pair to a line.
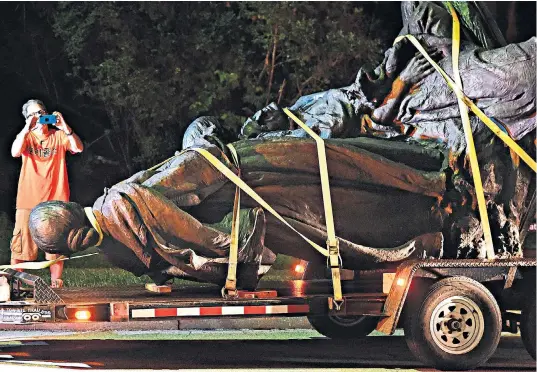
47,119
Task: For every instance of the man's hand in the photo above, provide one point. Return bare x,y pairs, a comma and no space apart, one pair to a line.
419,68
75,144
60,122
19,144
30,124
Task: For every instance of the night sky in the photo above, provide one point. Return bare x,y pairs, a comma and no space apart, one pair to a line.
21,79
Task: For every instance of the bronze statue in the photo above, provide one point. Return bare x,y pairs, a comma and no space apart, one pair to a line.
400,185
176,218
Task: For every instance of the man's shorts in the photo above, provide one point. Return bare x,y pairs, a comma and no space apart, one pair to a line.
23,247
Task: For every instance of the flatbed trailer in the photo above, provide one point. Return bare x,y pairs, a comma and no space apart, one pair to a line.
452,311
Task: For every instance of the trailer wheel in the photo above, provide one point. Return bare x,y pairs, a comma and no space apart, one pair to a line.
456,325
343,327
337,327
527,325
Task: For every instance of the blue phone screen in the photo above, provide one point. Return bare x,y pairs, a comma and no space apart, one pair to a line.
47,119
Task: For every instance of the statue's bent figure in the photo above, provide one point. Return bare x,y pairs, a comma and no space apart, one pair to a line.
175,220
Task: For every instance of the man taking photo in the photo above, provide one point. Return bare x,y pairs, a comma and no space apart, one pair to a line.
43,175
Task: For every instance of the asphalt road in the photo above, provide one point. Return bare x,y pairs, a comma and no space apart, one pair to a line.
279,352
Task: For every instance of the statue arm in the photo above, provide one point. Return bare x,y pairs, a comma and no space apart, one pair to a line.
415,71
386,113
185,179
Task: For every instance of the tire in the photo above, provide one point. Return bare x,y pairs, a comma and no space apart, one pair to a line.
527,325
343,327
467,339
338,327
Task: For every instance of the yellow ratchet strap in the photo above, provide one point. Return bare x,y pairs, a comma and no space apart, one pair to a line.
165,161
248,190
464,101
95,224
230,288
476,110
481,202
332,242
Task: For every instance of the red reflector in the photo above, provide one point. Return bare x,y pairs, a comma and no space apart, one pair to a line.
251,310
298,308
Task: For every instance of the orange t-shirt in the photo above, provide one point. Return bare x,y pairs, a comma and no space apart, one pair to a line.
43,174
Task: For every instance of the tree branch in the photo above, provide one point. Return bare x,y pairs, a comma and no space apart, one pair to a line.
274,48
280,94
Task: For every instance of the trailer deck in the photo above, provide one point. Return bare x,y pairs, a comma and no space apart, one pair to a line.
200,292
134,302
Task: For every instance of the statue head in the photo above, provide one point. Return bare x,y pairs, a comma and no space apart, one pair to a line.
59,227
270,118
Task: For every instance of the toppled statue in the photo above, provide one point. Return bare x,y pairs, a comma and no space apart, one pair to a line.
400,186
175,220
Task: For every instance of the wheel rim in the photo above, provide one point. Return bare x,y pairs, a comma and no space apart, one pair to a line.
346,321
457,325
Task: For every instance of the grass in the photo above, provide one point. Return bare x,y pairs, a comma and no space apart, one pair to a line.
95,271
94,277
100,277
221,334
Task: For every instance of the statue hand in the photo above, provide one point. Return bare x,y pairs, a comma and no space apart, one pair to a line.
418,68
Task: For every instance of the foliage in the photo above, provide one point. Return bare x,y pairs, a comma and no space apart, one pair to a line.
314,46
154,67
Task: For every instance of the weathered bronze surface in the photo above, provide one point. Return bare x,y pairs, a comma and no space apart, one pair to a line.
400,183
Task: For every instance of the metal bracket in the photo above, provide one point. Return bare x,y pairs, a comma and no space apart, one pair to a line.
510,278
229,294
42,293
